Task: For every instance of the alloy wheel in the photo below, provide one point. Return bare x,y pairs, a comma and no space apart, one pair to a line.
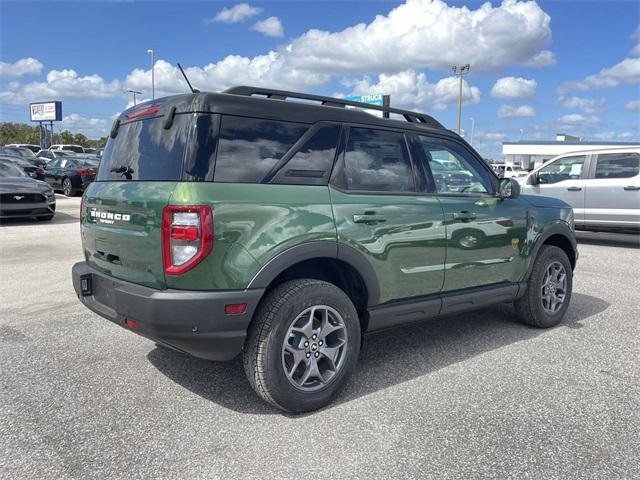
554,287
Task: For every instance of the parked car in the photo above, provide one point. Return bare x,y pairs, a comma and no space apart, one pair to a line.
512,171
51,154
250,222
24,153
30,146
23,196
29,168
71,148
602,186
71,176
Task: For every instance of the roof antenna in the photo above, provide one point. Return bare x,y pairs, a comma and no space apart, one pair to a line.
193,90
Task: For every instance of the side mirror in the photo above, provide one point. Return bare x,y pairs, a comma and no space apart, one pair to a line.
509,188
534,179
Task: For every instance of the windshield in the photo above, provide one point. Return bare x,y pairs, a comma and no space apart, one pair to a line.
145,150
8,169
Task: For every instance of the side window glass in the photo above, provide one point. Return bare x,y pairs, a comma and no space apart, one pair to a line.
53,163
567,168
618,165
63,163
311,164
249,147
454,169
377,161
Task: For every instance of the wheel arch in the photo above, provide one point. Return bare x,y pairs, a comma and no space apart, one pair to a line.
559,235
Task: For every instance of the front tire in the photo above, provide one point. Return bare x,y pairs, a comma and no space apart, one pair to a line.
303,345
549,288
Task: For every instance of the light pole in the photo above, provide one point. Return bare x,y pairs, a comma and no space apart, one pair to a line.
460,72
134,95
473,127
521,133
153,79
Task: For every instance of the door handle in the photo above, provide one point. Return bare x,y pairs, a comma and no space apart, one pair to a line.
369,218
464,215
574,189
631,188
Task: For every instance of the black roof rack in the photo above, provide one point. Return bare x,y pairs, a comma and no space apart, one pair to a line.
414,117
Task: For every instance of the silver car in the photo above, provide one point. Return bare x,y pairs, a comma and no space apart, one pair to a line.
602,186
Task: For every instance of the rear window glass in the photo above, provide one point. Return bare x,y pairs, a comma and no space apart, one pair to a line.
249,147
618,165
147,150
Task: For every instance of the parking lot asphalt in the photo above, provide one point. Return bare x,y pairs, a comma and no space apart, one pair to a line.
473,396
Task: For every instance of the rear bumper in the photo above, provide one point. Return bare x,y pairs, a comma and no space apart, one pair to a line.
190,321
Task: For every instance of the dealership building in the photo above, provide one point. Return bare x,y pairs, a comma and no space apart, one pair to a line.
531,154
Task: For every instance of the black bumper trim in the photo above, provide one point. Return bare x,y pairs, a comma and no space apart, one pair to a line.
190,321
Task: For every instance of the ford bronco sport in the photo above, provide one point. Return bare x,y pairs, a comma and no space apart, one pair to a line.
284,226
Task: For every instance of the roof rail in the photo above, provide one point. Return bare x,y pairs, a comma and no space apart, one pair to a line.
414,117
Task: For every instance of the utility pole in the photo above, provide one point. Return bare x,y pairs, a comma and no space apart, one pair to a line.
134,95
153,74
460,72
473,127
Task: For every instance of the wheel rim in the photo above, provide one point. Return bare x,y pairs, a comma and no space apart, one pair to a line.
469,240
66,187
554,287
314,349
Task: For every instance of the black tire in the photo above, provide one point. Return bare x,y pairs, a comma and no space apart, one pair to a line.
262,354
529,306
67,187
45,218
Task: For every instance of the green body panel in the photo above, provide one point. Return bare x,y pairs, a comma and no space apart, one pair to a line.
407,250
487,249
252,224
128,250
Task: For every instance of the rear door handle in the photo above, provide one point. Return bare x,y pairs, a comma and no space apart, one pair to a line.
574,189
464,215
369,218
631,188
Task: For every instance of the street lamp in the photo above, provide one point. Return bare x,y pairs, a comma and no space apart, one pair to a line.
460,72
153,79
521,133
134,95
473,127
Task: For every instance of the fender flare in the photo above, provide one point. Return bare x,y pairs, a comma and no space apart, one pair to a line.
557,228
320,249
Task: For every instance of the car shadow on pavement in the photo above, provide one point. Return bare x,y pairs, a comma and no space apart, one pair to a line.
58,219
387,358
607,239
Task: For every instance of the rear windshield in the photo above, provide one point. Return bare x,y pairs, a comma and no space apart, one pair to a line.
145,150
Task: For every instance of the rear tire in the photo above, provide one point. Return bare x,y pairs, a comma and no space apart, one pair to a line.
67,188
303,345
549,288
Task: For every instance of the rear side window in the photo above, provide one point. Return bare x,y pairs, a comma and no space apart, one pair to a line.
618,165
147,150
249,148
377,161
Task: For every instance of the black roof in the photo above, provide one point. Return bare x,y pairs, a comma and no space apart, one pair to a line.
288,106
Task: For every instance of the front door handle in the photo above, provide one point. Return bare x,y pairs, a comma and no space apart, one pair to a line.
631,188
464,215
574,189
369,218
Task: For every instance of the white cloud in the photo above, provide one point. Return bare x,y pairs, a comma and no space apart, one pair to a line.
576,119
271,27
24,66
627,71
589,105
91,127
235,14
633,105
508,111
545,58
411,90
512,87
496,137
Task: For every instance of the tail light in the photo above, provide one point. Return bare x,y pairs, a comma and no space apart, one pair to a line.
39,171
86,172
187,237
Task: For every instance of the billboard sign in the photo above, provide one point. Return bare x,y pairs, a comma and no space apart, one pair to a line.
372,99
46,111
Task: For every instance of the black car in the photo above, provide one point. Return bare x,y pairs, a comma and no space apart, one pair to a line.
71,175
23,196
34,171
24,153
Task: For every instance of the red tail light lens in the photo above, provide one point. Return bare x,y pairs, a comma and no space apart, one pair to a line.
143,112
187,237
86,172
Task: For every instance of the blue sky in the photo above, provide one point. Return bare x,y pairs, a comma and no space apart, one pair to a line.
545,67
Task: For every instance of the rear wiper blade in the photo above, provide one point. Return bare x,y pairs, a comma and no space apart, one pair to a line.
124,170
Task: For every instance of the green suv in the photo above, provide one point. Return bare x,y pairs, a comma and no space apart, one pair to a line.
285,226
